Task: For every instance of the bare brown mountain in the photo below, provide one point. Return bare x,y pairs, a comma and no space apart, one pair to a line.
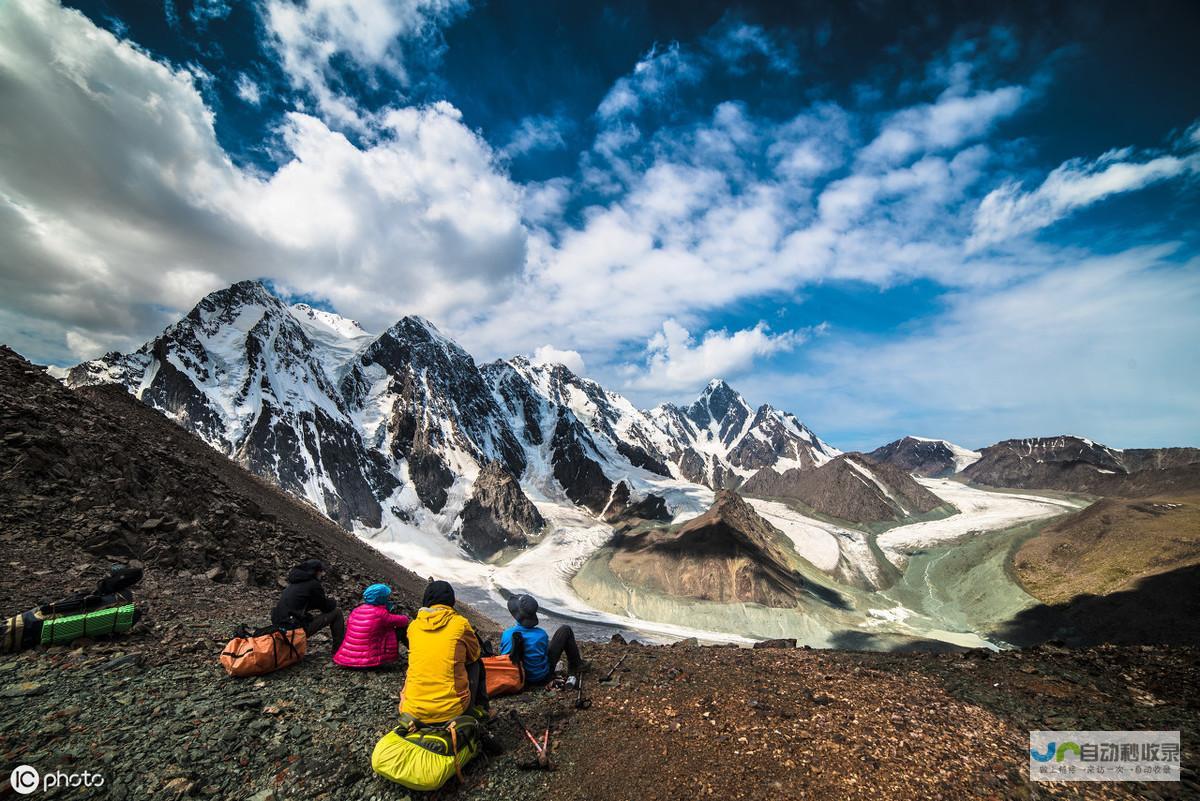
852,487
729,554
1076,464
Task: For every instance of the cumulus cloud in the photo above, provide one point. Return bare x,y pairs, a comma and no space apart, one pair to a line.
1009,211
119,209
373,35
548,354
677,361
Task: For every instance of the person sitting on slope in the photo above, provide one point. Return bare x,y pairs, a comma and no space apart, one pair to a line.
304,593
371,631
445,675
528,643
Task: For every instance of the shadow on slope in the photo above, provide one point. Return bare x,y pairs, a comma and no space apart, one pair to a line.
1161,609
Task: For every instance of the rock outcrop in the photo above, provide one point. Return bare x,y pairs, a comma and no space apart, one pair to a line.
575,469
729,554
621,507
851,487
498,514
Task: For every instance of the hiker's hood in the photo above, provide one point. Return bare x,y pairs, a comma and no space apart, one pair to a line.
435,617
305,571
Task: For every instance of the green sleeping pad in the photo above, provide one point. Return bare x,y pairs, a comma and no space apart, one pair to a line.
114,620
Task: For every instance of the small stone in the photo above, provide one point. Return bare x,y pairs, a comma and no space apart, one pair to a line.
22,689
152,524
215,574
783,642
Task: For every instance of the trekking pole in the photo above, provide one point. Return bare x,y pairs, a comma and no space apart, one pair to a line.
608,676
543,748
580,701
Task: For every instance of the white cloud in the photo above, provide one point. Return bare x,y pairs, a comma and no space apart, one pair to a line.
119,209
1009,211
652,81
374,35
676,361
951,121
248,90
548,354
1105,347
536,133
736,43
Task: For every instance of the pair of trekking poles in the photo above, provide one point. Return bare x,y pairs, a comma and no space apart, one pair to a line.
581,702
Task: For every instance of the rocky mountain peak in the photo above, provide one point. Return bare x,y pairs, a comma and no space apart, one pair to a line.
721,404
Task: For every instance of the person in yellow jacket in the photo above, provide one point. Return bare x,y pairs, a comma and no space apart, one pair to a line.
445,674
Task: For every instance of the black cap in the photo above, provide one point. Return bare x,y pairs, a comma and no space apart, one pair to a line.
524,609
438,592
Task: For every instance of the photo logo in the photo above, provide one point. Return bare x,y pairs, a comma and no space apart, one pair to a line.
24,779
1104,756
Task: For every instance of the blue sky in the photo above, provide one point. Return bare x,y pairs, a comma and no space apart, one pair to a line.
886,218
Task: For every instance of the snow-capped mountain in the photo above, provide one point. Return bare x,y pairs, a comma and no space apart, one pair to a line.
926,457
719,440
401,426
241,371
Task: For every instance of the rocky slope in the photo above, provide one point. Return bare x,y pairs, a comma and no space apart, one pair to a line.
622,506
932,458
851,487
729,554
1076,464
91,477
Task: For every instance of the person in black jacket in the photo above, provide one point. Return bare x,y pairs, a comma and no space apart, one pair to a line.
301,596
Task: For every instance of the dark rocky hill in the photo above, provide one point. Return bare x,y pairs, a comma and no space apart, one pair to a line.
1075,464
851,487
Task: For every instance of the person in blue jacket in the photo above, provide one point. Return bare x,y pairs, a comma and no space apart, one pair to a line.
528,643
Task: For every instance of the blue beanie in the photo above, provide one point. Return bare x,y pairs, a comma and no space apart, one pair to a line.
377,594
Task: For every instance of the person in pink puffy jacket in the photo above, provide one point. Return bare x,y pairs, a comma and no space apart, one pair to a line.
371,631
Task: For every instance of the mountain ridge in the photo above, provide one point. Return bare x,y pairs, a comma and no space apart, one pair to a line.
400,425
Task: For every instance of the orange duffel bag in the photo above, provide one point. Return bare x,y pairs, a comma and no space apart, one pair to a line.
503,677
263,651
